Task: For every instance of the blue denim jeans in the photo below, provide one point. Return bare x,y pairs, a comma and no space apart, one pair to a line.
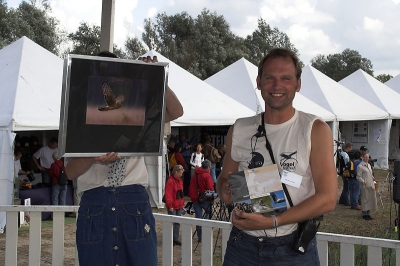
198,212
58,195
212,173
116,226
243,249
344,197
354,189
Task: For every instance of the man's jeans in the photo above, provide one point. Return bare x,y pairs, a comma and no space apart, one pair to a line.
198,211
58,195
354,188
344,198
243,249
212,173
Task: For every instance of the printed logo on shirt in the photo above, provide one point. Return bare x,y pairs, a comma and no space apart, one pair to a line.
257,160
288,161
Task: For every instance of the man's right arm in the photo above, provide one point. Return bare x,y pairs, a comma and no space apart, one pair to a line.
230,166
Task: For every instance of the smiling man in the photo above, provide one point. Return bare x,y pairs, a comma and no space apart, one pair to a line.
301,145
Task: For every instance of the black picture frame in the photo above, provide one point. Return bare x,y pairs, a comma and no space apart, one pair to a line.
112,105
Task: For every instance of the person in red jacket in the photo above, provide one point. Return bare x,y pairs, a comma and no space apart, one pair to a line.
174,198
200,182
58,192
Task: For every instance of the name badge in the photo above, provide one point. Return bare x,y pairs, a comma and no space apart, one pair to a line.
291,179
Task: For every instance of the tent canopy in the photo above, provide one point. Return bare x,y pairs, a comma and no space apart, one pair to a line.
238,81
202,104
31,81
336,98
373,91
394,83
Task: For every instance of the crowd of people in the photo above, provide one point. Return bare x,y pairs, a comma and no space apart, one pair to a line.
358,187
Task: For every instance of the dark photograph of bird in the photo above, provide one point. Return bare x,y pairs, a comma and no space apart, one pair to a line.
109,97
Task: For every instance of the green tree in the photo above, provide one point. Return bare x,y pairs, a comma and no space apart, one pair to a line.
263,39
339,66
384,77
149,36
86,40
5,32
134,48
33,20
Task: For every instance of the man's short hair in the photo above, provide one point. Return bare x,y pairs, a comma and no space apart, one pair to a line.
205,164
53,140
348,145
281,52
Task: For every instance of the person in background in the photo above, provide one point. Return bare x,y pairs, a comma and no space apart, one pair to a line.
186,147
207,147
368,194
17,163
114,200
174,198
58,192
200,182
354,185
178,156
196,159
45,155
344,197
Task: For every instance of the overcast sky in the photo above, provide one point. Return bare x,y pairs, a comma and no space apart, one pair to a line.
372,27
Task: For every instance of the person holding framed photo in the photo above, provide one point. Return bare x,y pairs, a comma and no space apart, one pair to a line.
115,206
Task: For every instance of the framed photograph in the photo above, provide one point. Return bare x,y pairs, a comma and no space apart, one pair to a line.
112,105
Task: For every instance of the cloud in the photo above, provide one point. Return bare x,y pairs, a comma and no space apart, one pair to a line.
311,42
152,12
373,24
396,2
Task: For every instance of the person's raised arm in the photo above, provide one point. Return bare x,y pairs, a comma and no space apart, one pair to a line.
230,166
173,108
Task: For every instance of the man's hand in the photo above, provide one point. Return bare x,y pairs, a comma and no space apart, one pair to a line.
108,158
251,221
226,195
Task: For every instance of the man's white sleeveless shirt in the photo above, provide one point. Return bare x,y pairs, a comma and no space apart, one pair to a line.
291,145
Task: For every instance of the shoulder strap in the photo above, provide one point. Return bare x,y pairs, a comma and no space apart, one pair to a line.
271,154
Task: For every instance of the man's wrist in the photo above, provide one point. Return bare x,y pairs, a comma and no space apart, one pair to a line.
274,221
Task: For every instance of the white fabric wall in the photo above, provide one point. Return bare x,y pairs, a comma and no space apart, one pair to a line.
7,171
378,149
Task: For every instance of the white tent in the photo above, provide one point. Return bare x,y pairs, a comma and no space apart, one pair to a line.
202,104
349,107
238,81
394,83
382,96
31,88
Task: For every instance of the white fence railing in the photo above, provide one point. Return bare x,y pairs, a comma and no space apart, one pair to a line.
347,242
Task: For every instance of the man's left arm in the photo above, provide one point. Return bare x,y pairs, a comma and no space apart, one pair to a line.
325,182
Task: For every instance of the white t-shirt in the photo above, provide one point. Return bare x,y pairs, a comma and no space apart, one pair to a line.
97,174
45,154
196,159
17,167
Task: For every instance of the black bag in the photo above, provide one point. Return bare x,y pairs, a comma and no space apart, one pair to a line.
163,199
202,198
63,179
305,233
31,177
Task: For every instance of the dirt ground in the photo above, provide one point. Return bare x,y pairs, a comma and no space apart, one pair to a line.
342,220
